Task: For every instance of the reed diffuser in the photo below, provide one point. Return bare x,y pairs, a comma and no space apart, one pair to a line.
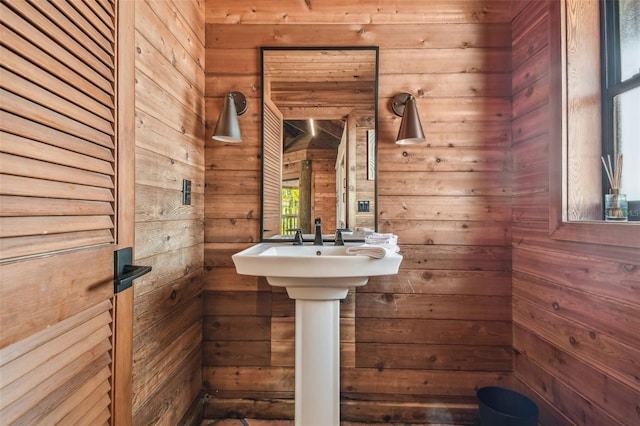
615,202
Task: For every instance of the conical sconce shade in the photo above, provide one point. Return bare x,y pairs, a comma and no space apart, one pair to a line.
228,128
411,131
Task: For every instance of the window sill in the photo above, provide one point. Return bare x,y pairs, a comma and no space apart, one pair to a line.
625,234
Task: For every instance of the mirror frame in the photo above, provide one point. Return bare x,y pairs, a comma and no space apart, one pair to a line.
263,49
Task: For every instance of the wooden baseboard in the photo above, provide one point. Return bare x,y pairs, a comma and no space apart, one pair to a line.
262,408
357,411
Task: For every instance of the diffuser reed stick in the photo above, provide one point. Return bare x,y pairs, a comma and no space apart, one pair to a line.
614,171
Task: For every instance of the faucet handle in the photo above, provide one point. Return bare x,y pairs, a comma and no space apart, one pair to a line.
339,240
297,239
317,241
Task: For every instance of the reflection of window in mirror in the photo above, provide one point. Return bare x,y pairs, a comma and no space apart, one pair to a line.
371,154
594,115
290,206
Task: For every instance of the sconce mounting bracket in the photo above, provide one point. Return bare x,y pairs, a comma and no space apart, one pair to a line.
241,102
399,102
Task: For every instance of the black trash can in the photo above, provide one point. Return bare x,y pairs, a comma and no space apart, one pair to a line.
505,407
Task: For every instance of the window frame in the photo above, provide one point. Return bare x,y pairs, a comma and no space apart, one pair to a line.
625,234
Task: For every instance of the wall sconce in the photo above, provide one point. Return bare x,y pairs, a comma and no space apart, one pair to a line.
404,105
228,128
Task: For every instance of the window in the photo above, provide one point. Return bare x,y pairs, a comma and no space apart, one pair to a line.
620,45
576,110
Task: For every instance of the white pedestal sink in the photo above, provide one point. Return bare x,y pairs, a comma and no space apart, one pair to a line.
317,277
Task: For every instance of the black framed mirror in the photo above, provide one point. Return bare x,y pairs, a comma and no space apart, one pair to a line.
319,140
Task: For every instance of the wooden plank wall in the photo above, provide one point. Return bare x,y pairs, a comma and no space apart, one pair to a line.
169,104
423,340
576,307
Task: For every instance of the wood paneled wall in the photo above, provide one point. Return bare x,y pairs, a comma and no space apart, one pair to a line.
169,111
421,342
576,307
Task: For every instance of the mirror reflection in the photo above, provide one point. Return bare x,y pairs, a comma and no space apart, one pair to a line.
319,140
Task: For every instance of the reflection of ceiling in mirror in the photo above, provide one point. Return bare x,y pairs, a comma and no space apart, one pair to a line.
325,83
298,134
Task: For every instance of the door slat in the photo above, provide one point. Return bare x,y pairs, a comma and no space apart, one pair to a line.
48,225
41,376
17,145
90,32
27,167
105,16
35,112
13,124
22,186
35,206
78,59
28,246
97,21
22,67
91,408
27,90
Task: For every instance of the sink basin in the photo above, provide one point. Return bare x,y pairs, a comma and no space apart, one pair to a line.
308,266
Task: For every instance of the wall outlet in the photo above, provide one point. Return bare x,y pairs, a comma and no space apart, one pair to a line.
363,206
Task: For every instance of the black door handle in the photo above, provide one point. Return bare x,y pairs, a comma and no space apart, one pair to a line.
125,273
130,273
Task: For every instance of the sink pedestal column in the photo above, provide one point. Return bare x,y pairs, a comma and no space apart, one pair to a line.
317,399
317,362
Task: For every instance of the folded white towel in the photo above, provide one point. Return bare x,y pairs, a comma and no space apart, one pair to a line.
377,251
381,239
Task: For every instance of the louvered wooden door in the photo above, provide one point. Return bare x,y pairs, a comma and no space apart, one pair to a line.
272,176
63,191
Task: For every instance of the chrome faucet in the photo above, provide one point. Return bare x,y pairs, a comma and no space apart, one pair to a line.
318,240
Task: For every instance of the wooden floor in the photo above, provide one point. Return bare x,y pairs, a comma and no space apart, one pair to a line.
257,422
